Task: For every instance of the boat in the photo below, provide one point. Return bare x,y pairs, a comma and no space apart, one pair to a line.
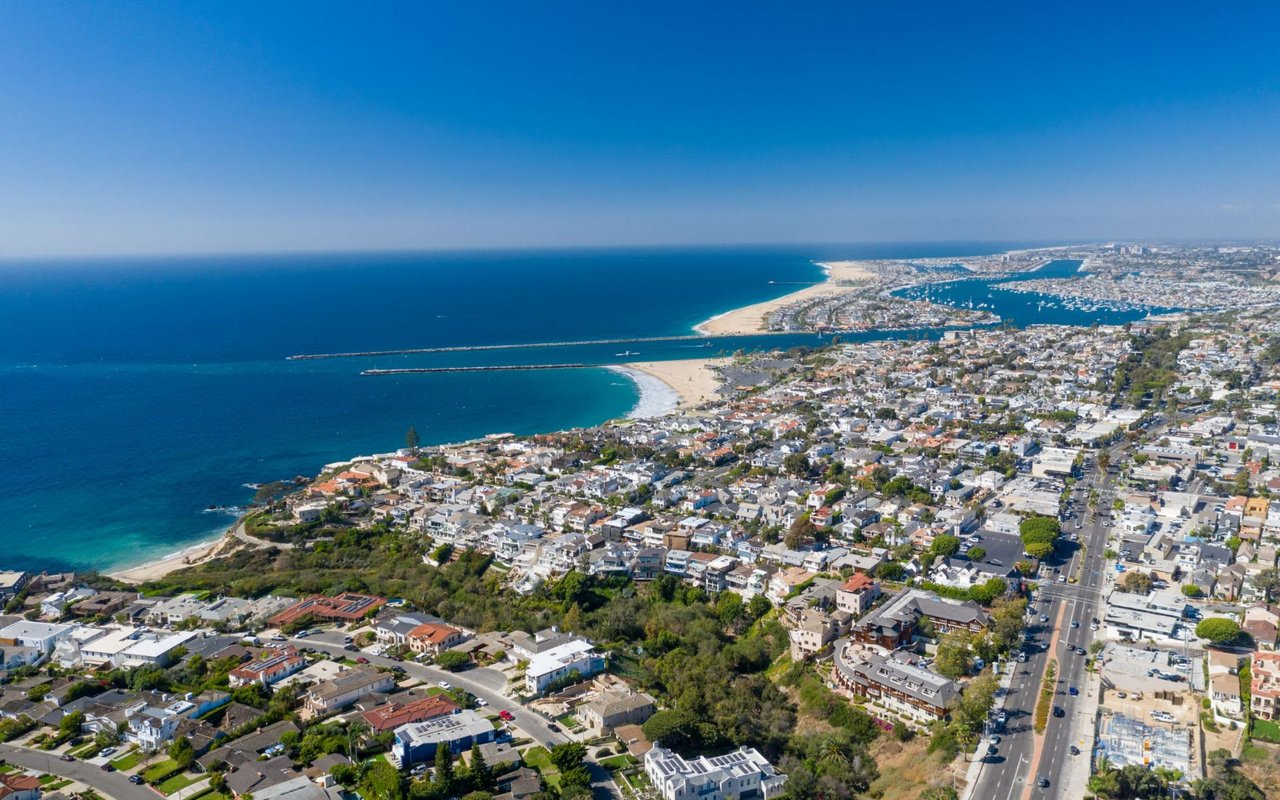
632,353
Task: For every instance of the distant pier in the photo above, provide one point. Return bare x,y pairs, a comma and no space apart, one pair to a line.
477,347
490,368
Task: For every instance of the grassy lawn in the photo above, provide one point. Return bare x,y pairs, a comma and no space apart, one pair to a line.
539,758
56,785
179,781
615,763
1266,730
160,771
84,750
128,760
569,721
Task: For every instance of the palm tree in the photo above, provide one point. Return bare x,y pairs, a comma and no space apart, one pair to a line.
356,729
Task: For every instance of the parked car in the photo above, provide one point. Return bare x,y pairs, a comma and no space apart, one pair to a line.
107,767
444,684
106,751
1075,751
67,757
135,779
505,714
362,660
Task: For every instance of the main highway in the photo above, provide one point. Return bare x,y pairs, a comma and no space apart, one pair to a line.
1022,758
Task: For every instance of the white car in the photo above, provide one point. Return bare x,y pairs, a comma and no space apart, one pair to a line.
444,685
1162,716
480,701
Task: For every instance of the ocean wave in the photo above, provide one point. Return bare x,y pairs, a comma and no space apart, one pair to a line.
656,397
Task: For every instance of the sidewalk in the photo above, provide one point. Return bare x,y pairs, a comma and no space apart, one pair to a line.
979,755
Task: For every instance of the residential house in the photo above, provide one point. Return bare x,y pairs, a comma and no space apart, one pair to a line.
743,773
347,688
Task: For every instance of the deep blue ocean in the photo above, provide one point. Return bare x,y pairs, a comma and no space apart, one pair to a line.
135,393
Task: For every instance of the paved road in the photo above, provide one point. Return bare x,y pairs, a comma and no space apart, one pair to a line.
1013,771
486,684
111,784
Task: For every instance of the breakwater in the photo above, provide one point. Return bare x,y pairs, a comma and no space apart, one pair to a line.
470,348
490,368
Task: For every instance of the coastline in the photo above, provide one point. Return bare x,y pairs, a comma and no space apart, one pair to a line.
188,556
657,397
751,319
675,385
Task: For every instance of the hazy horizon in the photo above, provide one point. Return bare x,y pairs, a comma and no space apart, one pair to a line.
182,128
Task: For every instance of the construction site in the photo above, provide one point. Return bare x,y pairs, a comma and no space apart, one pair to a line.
1123,741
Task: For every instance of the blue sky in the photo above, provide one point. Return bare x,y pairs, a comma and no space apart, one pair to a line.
205,127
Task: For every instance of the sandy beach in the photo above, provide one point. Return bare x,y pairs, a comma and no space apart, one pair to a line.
694,380
752,319
154,570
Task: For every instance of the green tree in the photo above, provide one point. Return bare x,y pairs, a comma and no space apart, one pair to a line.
946,545
987,592
452,660
70,723
1039,549
977,553
890,571
411,439
796,464
568,755
1136,582
1218,630
478,772
955,654
182,752
381,781
801,531
443,782
1037,529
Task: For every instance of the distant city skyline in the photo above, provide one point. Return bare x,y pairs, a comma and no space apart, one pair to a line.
155,128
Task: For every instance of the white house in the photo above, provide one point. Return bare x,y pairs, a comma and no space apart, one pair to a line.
742,773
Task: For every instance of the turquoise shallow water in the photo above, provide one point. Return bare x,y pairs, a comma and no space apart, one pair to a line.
135,393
